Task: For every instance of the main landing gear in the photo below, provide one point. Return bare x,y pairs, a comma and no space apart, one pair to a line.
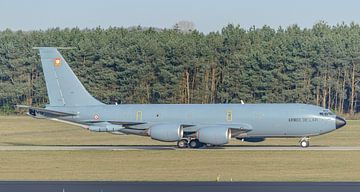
183,143
304,142
189,143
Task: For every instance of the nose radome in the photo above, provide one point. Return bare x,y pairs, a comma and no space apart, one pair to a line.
340,122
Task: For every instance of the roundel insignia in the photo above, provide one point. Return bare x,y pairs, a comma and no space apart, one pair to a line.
96,117
57,62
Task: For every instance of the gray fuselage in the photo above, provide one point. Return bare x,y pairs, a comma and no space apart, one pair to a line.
265,120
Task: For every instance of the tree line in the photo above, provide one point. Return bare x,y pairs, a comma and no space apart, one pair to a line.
318,65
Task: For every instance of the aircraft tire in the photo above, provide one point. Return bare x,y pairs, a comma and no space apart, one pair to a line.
304,144
194,143
183,143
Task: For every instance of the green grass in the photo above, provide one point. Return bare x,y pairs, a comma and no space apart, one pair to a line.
202,165
179,165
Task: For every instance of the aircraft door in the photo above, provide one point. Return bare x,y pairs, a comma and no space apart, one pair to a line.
138,115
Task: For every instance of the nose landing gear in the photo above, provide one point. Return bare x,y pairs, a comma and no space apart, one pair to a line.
304,142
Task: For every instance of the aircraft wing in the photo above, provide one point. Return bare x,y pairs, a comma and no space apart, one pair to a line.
117,127
126,123
123,123
36,111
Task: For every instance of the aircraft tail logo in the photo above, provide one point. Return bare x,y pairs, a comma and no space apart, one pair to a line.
57,62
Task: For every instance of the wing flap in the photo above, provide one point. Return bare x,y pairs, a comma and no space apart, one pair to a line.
124,123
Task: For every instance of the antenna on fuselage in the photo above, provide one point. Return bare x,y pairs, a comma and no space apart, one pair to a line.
242,102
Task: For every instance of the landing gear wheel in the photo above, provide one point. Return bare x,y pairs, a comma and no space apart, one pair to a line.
183,143
304,143
195,143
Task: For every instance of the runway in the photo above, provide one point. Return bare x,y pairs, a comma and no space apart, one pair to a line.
98,186
158,147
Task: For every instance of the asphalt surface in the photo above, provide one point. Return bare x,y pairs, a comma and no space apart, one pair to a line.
81,186
157,147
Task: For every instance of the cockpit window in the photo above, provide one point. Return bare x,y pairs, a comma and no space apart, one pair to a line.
326,113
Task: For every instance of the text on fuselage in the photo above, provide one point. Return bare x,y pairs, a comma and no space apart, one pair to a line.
304,119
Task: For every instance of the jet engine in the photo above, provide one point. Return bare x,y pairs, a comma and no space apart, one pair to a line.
166,132
214,135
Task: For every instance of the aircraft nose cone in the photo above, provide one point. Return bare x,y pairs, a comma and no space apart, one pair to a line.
340,122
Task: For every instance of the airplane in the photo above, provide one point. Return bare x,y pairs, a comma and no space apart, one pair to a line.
190,125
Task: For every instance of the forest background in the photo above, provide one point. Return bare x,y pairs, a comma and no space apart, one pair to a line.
318,65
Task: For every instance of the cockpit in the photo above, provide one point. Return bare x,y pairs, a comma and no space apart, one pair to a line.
326,113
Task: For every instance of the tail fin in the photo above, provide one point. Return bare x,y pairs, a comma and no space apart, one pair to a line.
63,87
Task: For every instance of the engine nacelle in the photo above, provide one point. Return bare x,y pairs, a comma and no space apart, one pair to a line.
214,135
166,132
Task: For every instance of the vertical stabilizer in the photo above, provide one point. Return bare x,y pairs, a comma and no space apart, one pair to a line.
63,87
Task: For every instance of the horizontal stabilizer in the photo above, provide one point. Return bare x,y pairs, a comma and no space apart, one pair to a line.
36,111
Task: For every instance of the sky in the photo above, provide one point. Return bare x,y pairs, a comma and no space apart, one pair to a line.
207,15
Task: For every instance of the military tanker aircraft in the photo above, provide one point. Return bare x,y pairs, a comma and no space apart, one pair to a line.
190,125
